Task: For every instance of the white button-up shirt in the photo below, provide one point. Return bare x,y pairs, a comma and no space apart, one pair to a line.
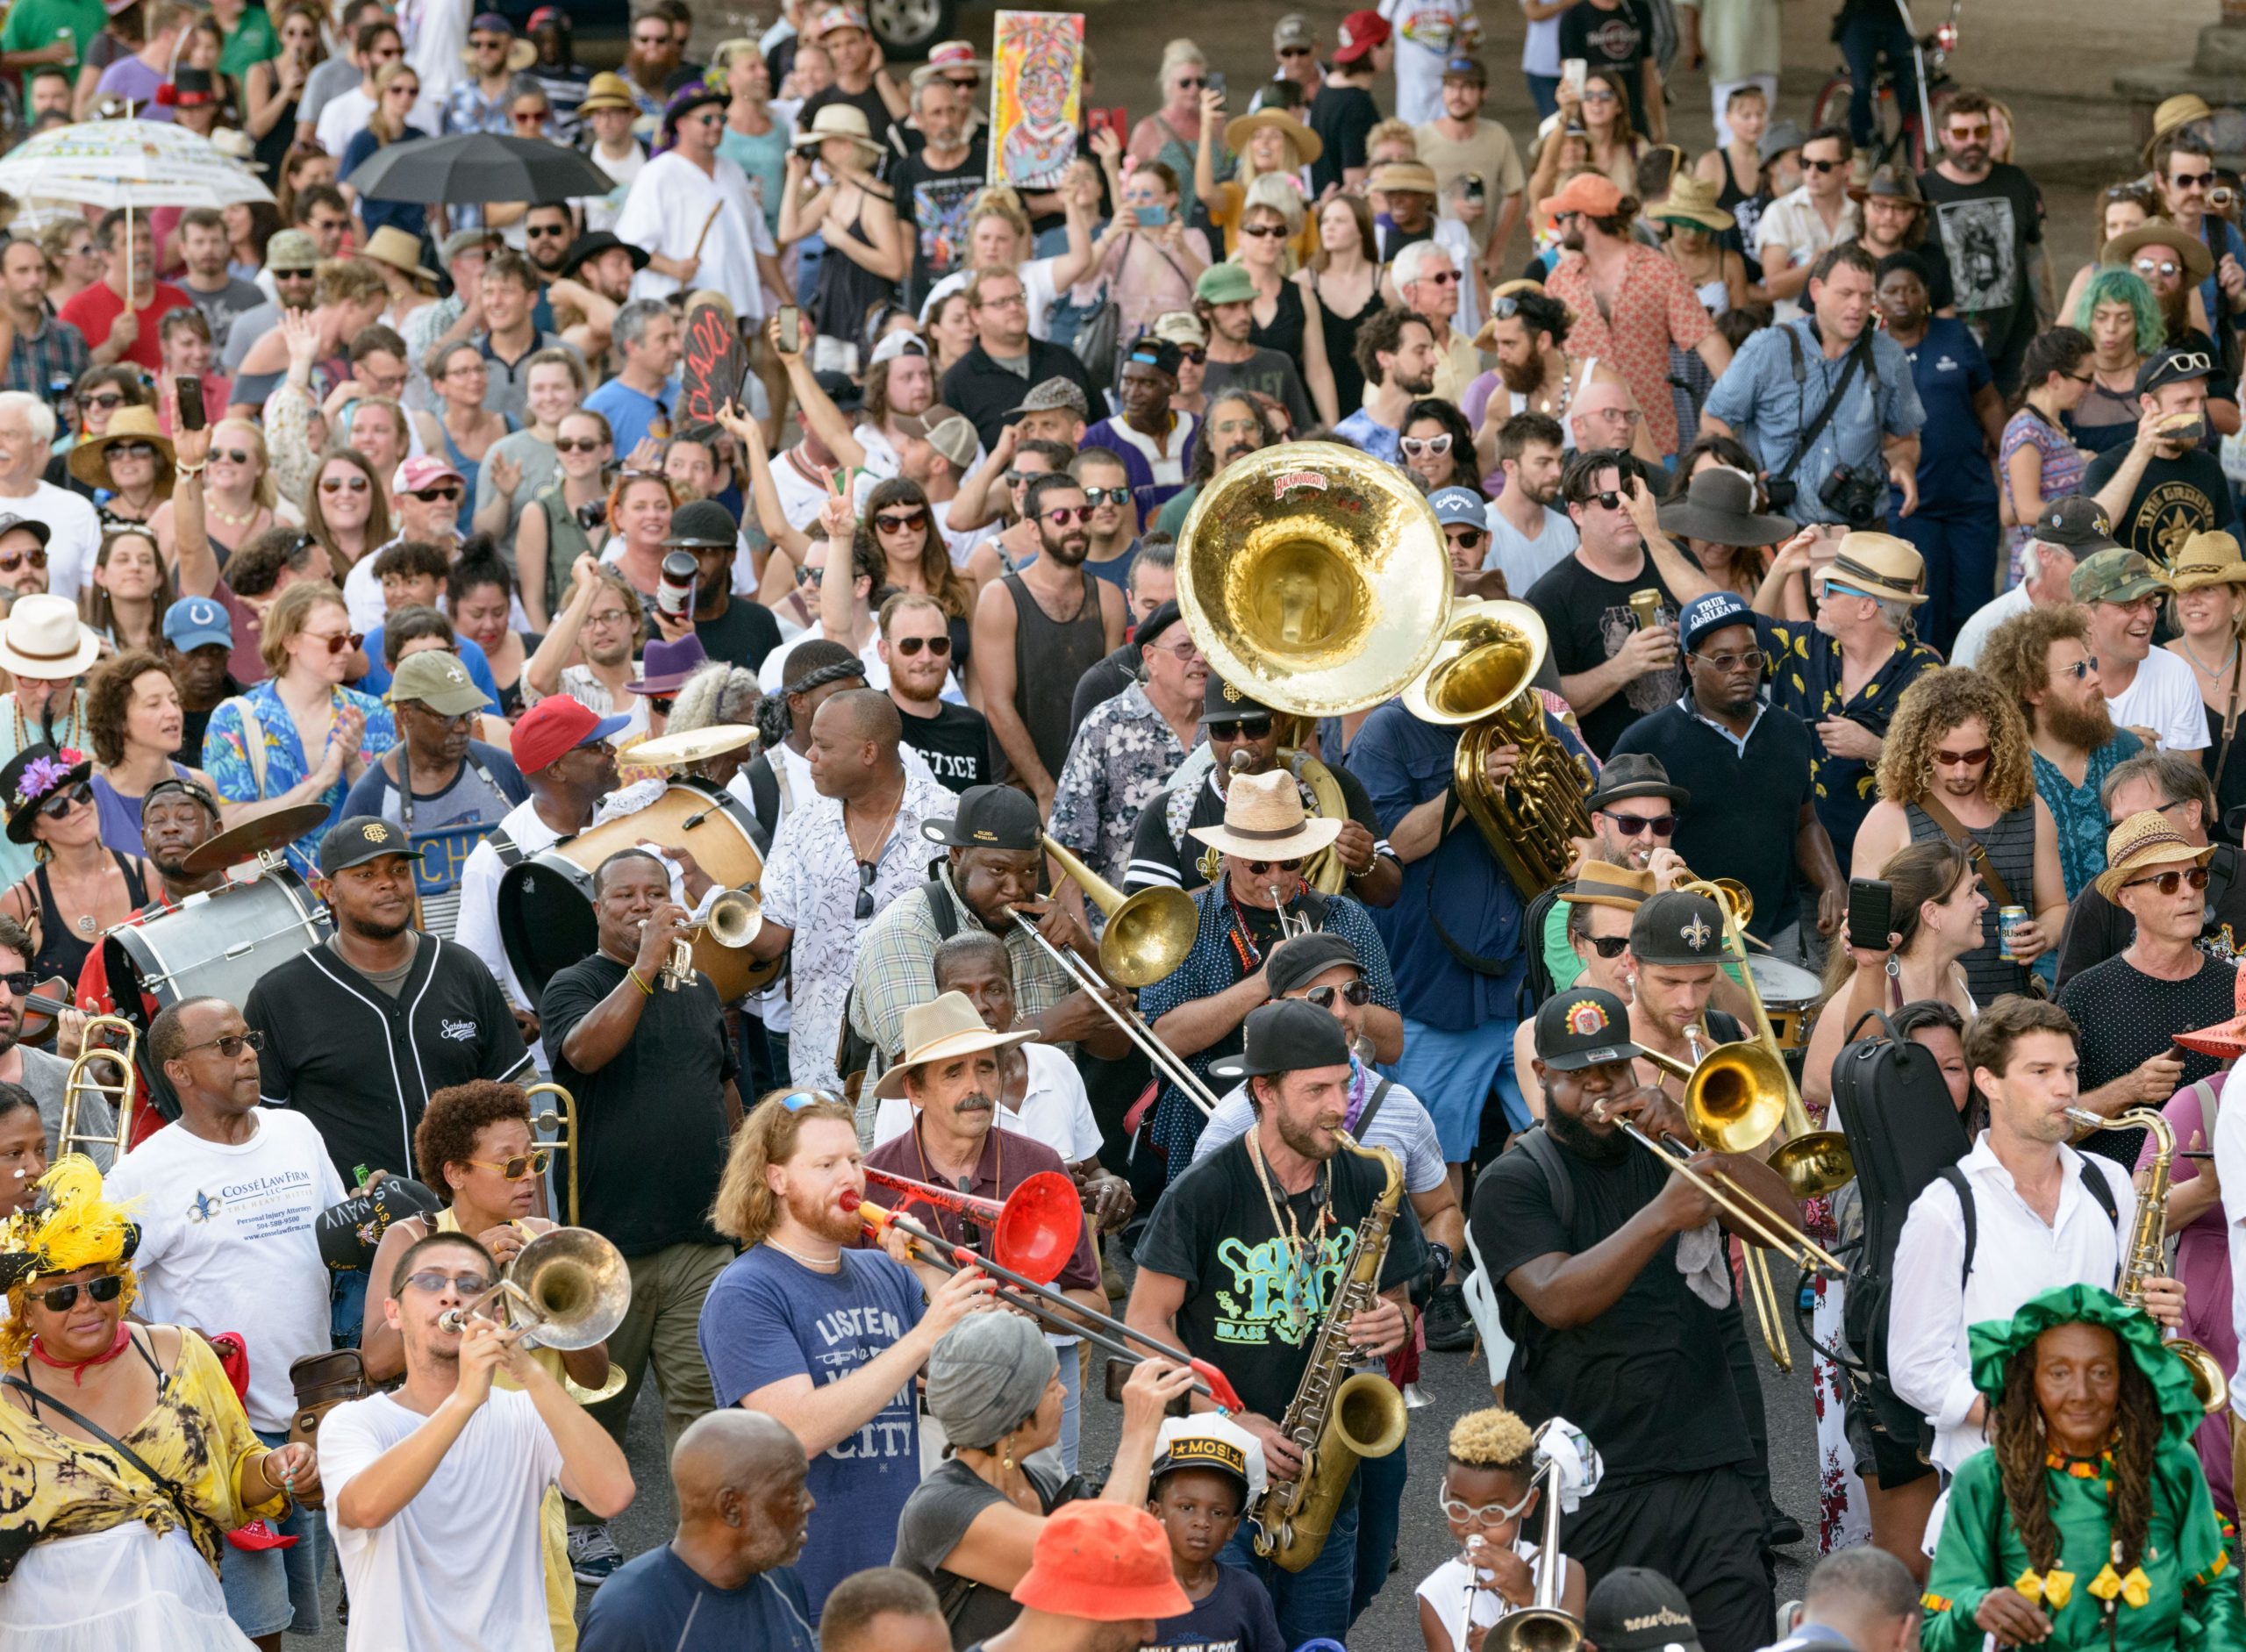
2230,1157
2016,1256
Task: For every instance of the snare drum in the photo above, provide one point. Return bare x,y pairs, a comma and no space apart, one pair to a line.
1790,995
215,943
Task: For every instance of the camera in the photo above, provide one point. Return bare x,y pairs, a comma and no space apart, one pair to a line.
1857,499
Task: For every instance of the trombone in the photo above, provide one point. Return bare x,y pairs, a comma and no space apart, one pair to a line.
564,1125
118,1092
569,1288
1543,1625
733,920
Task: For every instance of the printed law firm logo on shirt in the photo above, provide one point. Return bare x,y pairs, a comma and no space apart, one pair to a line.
1279,1303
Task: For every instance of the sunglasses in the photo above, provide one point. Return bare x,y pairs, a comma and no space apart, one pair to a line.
2079,669
812,576
1192,83
230,1045
797,1100
435,1279
1466,538
865,906
522,1164
1061,515
340,642
578,445
355,482
59,1298
1420,446
1294,51
448,493
1605,500
2163,266
20,983
1974,758
63,802
937,646
1441,277
1600,96
2169,882
1608,946
660,704
1245,728
1808,165
1264,231
1257,868
887,523
105,401
546,232
131,450
1192,353
1631,825
1356,993
1750,660
2191,180
2185,365
232,456
1097,497
11,560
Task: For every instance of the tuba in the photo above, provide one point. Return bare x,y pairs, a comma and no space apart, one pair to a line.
2148,1248
1336,1416
1315,578
1484,676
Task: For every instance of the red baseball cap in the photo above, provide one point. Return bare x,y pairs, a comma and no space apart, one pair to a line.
1103,1562
1589,193
557,724
1360,32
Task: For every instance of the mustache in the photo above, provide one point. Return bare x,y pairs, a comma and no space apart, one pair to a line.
975,1101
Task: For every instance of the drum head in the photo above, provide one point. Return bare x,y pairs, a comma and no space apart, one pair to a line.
214,945
1784,984
545,919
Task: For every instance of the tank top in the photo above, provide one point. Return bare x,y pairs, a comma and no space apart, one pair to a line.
62,949
566,540
1517,401
1342,349
2011,845
846,291
1050,653
1286,331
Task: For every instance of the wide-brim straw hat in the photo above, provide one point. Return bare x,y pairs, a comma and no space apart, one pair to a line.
944,1028
607,91
2198,263
2174,113
1693,200
1308,145
1877,564
2146,842
2207,559
42,637
1265,820
89,460
394,247
521,53
839,120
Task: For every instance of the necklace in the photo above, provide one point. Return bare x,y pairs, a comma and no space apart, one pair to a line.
59,737
1303,1254
834,1265
880,837
228,516
1567,390
2201,666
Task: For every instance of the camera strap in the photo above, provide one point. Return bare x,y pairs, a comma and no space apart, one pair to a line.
1858,358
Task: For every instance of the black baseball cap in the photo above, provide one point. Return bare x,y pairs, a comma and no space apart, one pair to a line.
1588,1026
1286,1037
703,525
1636,1609
360,839
988,818
2174,367
1298,962
2078,522
1677,928
1222,703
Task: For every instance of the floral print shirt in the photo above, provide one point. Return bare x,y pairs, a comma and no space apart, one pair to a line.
2080,815
1654,307
1120,760
227,759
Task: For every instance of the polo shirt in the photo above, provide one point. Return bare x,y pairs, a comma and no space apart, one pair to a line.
1746,798
978,388
362,1065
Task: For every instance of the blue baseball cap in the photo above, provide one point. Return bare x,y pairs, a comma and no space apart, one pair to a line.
1460,507
195,622
1710,612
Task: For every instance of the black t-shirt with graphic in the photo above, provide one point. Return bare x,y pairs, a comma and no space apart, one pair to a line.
1214,1230
1621,39
932,204
1986,229
956,742
1590,620
2174,499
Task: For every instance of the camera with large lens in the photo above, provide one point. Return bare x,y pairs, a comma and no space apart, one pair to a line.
1854,498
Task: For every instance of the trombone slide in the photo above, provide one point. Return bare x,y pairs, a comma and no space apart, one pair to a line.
118,1092
1166,1061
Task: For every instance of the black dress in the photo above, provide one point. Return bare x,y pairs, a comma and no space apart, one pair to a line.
1342,351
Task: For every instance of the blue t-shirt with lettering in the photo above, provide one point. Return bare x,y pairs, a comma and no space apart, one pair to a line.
768,1319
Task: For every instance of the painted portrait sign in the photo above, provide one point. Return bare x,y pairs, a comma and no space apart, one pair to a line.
1037,81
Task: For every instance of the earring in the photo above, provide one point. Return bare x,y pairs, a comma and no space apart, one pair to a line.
1006,1452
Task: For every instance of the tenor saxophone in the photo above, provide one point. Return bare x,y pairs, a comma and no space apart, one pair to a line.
2147,1255
1336,1416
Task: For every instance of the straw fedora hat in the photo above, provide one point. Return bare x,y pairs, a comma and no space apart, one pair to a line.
937,1031
2198,263
41,637
1878,564
606,90
839,120
89,460
1264,821
2172,114
2145,842
1693,200
1599,883
2207,559
392,246
1308,145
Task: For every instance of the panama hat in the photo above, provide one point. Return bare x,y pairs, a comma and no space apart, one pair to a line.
89,460
1265,820
1877,564
1308,145
2145,842
41,637
606,90
394,247
937,1031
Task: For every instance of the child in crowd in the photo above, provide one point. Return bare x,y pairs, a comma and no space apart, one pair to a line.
1491,1499
1206,1472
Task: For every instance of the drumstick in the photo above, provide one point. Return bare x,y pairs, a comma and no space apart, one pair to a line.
705,235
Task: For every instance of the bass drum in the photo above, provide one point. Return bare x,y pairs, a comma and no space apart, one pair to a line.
1790,995
215,944
546,902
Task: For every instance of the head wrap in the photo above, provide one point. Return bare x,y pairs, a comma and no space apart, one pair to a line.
1993,1343
986,1375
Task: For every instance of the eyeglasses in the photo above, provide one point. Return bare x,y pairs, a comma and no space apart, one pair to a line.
1807,165
2185,366
522,1164
886,522
2161,266
1608,946
865,907
1749,659
1097,497
1244,728
2169,882
1630,825
2191,180
1264,231
1598,95
63,802
230,1045
59,1298
1003,301
1061,515
937,646
1974,759
355,481
11,560
1358,994
1424,446
435,1279
1257,868
576,445
1487,1514
446,493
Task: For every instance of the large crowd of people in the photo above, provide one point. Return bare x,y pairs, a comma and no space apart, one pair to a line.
1324,738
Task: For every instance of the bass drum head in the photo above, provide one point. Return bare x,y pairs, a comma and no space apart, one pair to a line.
218,945
545,919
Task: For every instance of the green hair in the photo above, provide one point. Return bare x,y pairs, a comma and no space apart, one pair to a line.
2124,287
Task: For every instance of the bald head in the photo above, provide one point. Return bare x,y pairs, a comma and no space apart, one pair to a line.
731,1451
1604,415
864,714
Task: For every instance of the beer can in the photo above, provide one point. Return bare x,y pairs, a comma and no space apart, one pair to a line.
2009,919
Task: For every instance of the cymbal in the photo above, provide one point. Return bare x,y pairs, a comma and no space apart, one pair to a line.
696,745
253,838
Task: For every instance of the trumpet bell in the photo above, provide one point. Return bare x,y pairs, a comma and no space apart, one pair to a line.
1315,578
734,919
575,1285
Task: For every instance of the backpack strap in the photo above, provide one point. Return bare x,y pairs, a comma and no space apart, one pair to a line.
1538,1146
1963,1187
764,793
941,912
1953,829
1372,1106
2094,1184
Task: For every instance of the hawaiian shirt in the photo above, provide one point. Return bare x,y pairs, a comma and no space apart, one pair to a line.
1654,307
468,109
1805,679
227,759
2079,812
812,880
1119,762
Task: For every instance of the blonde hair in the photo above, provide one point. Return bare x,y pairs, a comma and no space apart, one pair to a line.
290,613
383,127
1273,192
266,492
746,1206
1177,51
1492,1438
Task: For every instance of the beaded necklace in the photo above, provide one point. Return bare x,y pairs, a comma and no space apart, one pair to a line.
1302,1252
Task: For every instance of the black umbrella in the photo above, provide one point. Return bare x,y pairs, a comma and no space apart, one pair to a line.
477,166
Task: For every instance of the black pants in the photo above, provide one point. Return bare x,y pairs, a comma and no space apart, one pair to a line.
1747,1381
1702,1531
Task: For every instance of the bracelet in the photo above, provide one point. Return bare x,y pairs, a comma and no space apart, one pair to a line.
190,471
633,976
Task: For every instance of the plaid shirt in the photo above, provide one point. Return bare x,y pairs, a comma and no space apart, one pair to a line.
896,969
54,356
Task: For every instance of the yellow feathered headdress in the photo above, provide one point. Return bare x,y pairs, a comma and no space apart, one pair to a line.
71,1226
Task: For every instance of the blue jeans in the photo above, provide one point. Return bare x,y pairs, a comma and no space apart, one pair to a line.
1380,1513
1959,546
1863,41
270,1590
1544,92
1315,1600
346,1312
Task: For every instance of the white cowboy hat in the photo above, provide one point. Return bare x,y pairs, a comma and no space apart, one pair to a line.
839,120
42,637
1264,821
937,1031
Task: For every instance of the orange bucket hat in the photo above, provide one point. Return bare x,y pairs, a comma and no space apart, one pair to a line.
1102,1563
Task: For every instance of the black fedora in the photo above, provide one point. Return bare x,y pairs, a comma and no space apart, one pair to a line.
1718,506
592,246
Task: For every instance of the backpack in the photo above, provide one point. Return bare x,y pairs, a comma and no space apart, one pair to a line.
1891,1101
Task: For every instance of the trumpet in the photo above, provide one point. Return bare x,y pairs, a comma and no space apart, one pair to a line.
732,921
78,1082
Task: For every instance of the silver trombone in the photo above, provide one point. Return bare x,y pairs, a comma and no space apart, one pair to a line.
1166,1061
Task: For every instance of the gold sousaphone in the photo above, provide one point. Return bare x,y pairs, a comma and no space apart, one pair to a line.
1314,578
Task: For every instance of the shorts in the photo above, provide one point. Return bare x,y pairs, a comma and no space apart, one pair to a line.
1884,1433
1454,1076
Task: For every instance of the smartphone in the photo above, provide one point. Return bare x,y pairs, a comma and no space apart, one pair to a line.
1871,912
1119,1372
190,401
1151,217
791,329
1108,120
1217,82
1471,188
1573,72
